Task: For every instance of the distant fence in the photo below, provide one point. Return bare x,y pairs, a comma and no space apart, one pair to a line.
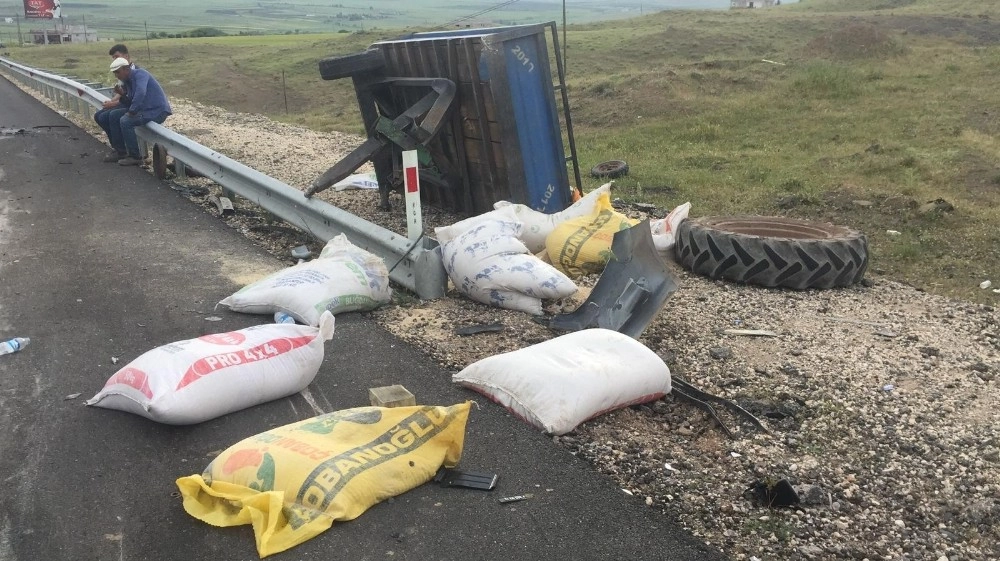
418,264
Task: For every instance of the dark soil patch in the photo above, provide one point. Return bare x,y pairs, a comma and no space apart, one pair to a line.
853,42
985,120
969,31
853,206
980,178
878,36
250,93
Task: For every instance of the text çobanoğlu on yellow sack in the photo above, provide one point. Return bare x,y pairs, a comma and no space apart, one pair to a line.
582,246
291,483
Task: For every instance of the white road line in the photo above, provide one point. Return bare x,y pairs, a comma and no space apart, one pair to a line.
308,396
6,549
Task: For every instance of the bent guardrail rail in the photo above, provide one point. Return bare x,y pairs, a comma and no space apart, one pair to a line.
415,265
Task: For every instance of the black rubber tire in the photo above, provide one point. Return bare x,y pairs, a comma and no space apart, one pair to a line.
772,251
610,169
337,67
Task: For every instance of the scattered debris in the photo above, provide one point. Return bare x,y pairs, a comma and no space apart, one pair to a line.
701,399
515,498
937,205
894,232
479,328
610,169
929,352
631,291
301,252
985,284
283,317
813,495
391,396
849,320
720,353
448,477
189,190
71,396
751,332
213,318
13,345
188,170
772,494
224,205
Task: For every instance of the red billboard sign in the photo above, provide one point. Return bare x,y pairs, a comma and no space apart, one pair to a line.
42,9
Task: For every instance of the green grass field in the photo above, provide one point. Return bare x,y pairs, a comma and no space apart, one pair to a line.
858,112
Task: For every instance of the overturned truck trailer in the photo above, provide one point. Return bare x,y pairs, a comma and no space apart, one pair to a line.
478,105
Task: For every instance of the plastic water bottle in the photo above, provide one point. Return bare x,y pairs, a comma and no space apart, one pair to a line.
14,345
282,317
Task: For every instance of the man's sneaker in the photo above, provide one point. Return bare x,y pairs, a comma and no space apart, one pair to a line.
114,157
129,161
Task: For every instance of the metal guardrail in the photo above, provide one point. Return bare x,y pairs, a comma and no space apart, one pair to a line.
417,265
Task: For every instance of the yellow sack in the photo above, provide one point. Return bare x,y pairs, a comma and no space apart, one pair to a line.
581,246
291,483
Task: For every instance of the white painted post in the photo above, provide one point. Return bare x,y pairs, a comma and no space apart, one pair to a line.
411,182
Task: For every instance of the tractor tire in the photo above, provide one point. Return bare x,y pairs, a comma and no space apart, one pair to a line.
610,169
772,251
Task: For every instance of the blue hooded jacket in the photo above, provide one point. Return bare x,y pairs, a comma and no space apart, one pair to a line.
148,99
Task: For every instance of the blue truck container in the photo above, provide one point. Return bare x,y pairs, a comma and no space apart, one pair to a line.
505,137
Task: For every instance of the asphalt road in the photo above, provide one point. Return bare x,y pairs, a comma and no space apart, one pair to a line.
99,261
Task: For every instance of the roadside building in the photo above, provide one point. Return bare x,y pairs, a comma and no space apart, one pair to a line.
753,3
60,34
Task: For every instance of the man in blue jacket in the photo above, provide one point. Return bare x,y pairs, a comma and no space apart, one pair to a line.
149,103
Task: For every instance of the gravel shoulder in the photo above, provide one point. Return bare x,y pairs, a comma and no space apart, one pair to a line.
881,400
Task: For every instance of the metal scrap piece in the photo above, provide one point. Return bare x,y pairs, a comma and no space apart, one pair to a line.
633,287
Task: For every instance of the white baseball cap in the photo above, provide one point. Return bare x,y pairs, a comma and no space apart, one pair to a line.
118,63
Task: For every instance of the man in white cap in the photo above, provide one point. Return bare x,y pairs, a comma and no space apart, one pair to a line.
148,103
113,110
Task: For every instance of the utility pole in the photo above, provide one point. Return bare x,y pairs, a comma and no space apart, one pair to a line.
85,39
564,35
149,57
20,43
